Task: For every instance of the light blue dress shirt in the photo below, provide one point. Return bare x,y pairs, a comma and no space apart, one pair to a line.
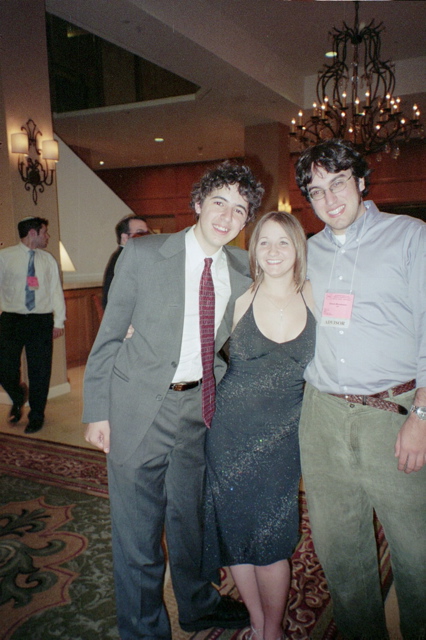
383,261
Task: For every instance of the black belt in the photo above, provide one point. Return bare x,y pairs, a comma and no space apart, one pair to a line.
27,315
184,386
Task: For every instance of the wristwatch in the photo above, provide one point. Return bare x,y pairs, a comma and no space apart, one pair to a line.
419,411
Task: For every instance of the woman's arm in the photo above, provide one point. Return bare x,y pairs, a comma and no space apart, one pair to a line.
309,296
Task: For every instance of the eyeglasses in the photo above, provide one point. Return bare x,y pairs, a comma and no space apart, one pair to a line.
138,234
338,185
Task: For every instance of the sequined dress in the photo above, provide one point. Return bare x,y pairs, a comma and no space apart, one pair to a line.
252,450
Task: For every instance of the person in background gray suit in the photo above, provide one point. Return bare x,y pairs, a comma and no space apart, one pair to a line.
143,405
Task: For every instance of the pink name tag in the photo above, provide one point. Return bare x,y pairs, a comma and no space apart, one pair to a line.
32,282
337,309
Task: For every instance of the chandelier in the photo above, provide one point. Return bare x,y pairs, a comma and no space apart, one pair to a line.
356,98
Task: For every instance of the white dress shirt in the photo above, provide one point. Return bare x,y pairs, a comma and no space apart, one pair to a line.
190,367
49,296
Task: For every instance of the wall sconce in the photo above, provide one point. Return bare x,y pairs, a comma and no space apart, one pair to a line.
35,173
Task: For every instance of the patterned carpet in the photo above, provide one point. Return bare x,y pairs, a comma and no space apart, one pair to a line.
55,556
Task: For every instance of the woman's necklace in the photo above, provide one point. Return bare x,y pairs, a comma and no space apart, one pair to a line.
280,309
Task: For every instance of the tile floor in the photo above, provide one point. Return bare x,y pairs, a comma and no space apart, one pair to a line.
62,418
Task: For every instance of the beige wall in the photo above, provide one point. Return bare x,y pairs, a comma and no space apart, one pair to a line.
24,94
88,213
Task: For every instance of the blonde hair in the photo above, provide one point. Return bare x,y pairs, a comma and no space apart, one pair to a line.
294,229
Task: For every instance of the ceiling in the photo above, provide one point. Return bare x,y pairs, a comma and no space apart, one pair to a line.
255,62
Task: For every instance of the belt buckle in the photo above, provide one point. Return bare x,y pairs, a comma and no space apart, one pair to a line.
178,386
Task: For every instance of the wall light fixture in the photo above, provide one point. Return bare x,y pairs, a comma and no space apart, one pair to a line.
36,165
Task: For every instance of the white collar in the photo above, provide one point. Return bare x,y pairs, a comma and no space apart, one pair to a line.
195,254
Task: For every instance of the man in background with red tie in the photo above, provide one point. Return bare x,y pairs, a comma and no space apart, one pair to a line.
33,313
149,399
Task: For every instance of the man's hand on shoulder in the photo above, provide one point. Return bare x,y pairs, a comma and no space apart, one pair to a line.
410,445
97,433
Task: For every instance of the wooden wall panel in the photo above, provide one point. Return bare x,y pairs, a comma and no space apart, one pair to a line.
163,193
82,324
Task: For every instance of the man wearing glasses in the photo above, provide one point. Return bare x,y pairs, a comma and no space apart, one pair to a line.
128,227
363,424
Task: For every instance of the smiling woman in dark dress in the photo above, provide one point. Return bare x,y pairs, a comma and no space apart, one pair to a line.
253,466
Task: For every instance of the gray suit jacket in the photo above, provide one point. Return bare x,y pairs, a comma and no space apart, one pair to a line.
126,382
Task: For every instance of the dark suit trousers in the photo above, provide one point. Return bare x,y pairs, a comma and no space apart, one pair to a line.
35,333
161,485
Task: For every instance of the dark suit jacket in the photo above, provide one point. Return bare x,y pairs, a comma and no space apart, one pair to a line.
126,382
109,274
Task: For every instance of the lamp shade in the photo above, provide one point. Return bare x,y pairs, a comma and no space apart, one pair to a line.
50,150
66,262
19,142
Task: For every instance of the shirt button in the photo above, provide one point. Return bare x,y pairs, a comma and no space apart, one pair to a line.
341,332
342,360
343,251
174,365
159,398
340,277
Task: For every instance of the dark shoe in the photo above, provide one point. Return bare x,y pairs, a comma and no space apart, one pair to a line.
15,413
229,614
34,425
16,410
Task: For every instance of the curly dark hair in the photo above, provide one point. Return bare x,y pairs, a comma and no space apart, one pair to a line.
226,174
332,155
25,225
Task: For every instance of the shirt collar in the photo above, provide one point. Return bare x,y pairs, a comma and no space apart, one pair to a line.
195,254
25,248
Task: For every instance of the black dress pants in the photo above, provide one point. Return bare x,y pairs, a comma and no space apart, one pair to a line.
34,332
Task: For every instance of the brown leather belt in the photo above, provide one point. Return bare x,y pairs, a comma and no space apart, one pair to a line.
378,400
184,386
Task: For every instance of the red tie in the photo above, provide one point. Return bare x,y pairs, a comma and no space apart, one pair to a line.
207,341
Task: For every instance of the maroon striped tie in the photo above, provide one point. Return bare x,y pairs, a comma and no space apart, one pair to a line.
207,341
